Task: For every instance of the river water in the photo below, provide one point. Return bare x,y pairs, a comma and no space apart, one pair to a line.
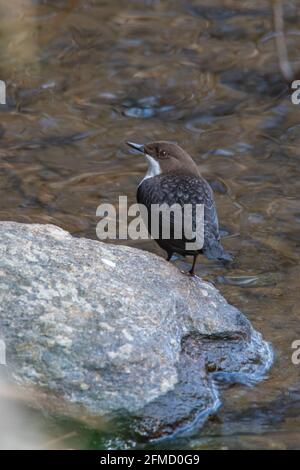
85,76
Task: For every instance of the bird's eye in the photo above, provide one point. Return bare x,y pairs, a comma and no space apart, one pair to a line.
163,153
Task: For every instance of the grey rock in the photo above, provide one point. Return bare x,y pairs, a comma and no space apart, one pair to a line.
94,329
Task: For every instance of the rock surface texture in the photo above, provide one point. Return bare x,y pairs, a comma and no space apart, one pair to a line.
94,328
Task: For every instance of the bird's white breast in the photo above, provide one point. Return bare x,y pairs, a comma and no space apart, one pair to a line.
153,168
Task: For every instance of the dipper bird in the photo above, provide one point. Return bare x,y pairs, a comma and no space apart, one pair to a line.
174,178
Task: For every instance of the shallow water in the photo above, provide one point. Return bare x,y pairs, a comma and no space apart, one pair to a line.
85,76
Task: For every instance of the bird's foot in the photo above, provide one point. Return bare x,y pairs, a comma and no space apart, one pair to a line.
195,276
189,273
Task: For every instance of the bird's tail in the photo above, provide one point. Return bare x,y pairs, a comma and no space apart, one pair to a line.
218,252
226,256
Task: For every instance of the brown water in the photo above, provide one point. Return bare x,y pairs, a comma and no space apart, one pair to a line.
83,77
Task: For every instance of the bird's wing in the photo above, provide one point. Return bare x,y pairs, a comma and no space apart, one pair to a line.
173,189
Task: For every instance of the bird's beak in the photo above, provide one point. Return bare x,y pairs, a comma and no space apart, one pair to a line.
138,147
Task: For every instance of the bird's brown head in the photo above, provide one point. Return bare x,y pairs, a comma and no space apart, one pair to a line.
166,157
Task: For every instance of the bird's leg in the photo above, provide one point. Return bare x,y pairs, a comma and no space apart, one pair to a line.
192,271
